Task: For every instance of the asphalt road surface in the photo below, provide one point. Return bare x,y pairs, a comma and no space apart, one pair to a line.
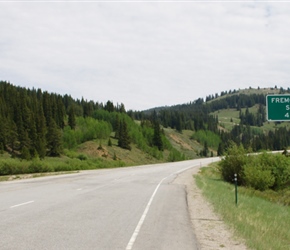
125,208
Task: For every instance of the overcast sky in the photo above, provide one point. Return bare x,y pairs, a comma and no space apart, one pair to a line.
144,54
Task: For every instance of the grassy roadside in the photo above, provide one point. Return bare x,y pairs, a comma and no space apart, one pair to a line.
263,224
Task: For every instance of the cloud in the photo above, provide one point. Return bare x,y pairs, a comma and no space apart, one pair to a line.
144,54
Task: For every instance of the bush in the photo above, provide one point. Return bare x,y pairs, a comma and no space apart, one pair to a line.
233,163
260,172
35,167
82,157
13,166
279,165
258,178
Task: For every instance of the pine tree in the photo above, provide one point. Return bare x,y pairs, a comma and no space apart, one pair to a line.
220,150
117,126
60,112
72,118
47,108
11,136
109,106
157,139
124,138
54,142
40,132
205,149
3,132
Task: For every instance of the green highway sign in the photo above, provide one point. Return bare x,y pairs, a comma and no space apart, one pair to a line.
278,107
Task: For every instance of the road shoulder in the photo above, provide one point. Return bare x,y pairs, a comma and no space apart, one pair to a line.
210,230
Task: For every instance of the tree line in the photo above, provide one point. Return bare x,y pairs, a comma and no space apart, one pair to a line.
32,121
35,123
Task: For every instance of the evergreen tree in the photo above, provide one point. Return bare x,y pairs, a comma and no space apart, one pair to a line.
109,106
71,118
40,132
220,150
122,109
60,112
205,150
124,138
117,126
11,137
47,108
157,140
54,142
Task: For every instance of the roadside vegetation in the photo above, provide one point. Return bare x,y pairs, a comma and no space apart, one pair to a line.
262,172
262,214
260,218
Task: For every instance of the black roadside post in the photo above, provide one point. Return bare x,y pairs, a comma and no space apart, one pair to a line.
236,189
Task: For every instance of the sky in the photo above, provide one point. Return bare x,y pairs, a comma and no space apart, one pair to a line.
144,54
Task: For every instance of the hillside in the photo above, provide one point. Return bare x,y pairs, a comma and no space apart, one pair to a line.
57,133
79,134
235,115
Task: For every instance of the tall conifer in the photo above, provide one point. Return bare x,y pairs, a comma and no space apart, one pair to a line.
54,142
157,139
124,138
71,118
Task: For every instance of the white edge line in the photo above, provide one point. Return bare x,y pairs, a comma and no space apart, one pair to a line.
22,204
142,219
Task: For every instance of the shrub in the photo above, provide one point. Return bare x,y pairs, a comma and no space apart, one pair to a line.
233,163
5,169
35,167
258,178
279,165
260,172
82,157
13,166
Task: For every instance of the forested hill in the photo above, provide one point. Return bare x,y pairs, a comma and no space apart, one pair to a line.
36,124
238,116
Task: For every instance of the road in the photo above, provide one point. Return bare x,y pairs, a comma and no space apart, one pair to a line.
126,208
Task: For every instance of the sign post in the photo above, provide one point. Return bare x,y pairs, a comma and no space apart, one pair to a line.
278,107
236,189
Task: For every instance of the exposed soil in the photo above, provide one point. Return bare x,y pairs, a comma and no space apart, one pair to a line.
210,230
90,148
180,142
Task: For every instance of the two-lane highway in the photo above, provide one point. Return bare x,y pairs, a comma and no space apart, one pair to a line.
125,208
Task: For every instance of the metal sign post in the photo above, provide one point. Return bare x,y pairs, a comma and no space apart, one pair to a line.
236,188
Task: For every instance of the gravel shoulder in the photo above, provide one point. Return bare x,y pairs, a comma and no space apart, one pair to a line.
210,230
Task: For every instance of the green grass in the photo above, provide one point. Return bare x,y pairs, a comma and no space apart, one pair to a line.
14,166
228,118
95,154
89,155
263,224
